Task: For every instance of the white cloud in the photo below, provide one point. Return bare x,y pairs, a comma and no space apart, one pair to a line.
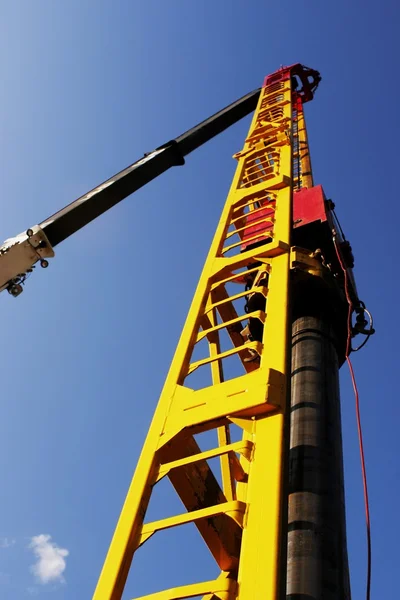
6,542
51,564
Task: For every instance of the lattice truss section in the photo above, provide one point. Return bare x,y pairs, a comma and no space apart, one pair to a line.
229,368
302,172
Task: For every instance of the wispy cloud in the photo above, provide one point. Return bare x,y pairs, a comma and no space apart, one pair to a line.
50,564
6,542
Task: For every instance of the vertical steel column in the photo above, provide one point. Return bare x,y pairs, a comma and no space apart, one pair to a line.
317,552
304,150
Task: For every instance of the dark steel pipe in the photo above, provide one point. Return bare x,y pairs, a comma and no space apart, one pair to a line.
317,563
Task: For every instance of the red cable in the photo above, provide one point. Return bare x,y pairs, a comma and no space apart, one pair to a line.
359,428
364,475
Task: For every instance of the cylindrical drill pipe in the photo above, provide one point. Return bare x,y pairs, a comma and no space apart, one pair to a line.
317,564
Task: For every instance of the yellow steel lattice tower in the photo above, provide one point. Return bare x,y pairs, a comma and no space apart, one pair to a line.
241,521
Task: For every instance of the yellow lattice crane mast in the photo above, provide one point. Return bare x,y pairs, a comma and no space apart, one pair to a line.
254,398
226,372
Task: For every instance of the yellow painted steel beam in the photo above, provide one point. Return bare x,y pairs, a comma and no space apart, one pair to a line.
304,150
219,303
205,361
243,447
234,510
219,589
256,314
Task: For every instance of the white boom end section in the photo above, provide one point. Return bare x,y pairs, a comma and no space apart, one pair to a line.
19,254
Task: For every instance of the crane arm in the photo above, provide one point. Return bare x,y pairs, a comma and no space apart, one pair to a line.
18,255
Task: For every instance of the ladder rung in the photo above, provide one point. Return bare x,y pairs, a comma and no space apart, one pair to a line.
257,346
262,289
270,205
232,278
262,234
256,314
243,447
250,224
221,589
234,509
270,95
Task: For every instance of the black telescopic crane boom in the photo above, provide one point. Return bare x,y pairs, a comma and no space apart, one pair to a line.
79,213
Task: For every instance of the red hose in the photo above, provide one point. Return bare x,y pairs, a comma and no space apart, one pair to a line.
359,428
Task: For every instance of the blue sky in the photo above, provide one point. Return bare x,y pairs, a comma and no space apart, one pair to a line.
87,87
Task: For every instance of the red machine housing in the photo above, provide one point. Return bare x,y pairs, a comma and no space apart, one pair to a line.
309,205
